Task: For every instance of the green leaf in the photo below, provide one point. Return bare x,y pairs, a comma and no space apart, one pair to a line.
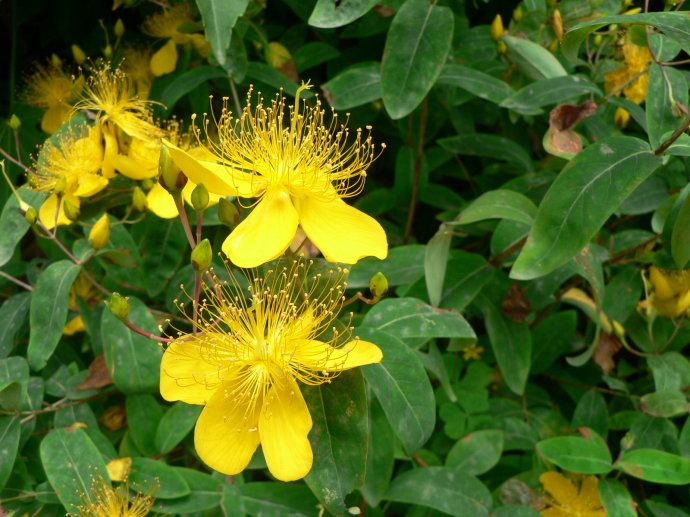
14,378
577,454
329,15
71,460
219,17
488,146
10,431
514,510
273,78
533,60
444,489
133,360
232,504
380,455
143,415
667,404
466,274
205,493
664,510
556,90
278,500
13,314
163,248
178,420
402,387
591,411
478,83
403,265
313,54
671,371
674,24
616,499
339,438
417,45
435,262
499,204
477,452
146,472
185,83
586,193
665,90
48,313
552,337
655,466
13,226
680,235
355,86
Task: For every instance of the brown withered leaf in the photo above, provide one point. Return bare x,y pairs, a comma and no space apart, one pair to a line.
607,347
98,376
384,10
565,116
515,305
561,139
114,418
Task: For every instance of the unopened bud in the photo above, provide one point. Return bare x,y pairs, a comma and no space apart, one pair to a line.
55,61
108,52
497,28
15,122
557,24
139,203
200,197
72,211
30,215
119,306
598,40
228,213
553,46
170,176
119,28
618,330
517,13
378,285
501,47
147,184
78,54
60,186
100,233
202,255
621,117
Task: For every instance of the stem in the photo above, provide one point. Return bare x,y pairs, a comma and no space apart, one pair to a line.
675,136
14,160
17,146
199,223
417,172
235,98
195,301
16,281
179,203
146,333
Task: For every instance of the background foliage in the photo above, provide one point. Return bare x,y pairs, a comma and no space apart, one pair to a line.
519,332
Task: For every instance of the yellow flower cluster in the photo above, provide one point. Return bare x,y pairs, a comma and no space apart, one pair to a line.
671,291
565,498
106,501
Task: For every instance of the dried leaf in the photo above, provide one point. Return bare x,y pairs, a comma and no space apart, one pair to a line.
98,376
607,347
560,139
515,305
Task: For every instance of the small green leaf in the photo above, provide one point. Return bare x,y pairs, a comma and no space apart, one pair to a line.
666,404
273,78
313,54
278,500
10,431
488,146
403,265
380,455
143,415
556,90
680,235
14,378
591,411
169,482
178,420
13,226
205,493
329,15
444,489
435,262
185,83
219,17
664,510
499,204
576,454
671,371
417,45
355,86
48,314
616,499
533,59
665,89
13,314
466,274
478,83
655,466
477,452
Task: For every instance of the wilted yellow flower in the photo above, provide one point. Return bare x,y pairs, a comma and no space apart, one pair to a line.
136,65
68,170
54,90
621,117
244,365
106,501
636,60
671,296
166,25
300,171
566,499
114,418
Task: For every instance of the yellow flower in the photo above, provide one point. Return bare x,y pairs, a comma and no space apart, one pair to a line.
165,25
300,172
54,90
68,170
244,364
671,296
136,65
565,499
636,60
472,352
106,501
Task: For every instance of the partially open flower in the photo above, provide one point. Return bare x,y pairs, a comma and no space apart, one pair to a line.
632,72
566,498
106,501
53,89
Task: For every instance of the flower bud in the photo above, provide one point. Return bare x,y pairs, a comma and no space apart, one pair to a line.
202,255
598,40
100,233
119,306
170,176
139,203
72,211
621,117
147,184
200,197
60,186
30,215
497,28
501,47
228,213
517,13
618,330
78,54
557,24
378,285
553,46
108,52
119,28
15,122
55,61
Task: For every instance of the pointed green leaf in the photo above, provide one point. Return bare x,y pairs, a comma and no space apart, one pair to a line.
10,431
435,262
477,452
13,314
655,466
146,472
478,83
576,454
499,204
616,499
219,17
329,15
278,500
533,59
665,89
355,86
185,83
177,422
13,226
556,90
488,146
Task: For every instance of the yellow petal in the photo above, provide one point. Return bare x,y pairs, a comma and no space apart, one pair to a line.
342,233
218,179
265,234
164,60
284,425
188,372
589,498
161,203
319,356
559,486
111,150
226,434
132,168
90,184
662,286
46,213
118,469
54,118
200,44
73,326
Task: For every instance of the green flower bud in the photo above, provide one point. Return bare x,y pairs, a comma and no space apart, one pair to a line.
497,28
139,203
598,40
71,210
378,285
517,13
147,184
228,213
119,28
202,255
15,122
501,47
78,54
60,186
170,176
30,215
55,61
200,197
108,52
100,233
119,306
